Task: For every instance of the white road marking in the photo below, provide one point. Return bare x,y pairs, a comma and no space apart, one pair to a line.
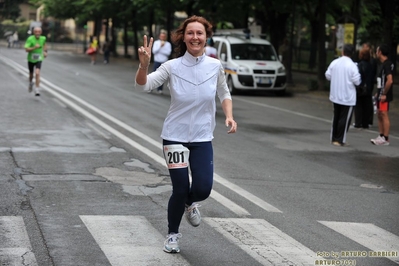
264,242
238,210
127,240
368,235
243,193
15,248
159,159
283,110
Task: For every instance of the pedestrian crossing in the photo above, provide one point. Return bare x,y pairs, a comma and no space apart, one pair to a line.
118,236
127,239
15,247
369,236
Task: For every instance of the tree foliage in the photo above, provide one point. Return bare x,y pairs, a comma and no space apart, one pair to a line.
375,21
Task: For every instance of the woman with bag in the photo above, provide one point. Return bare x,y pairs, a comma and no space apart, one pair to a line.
92,51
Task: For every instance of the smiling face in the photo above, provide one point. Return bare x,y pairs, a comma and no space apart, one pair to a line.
195,38
37,32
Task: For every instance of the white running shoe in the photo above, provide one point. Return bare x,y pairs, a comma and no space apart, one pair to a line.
37,91
30,87
380,141
193,215
171,244
374,140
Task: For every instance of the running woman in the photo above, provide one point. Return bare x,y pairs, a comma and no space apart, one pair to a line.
193,80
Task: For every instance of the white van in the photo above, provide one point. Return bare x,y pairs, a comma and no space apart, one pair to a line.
250,64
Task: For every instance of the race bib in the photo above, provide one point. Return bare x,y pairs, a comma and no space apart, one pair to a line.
176,156
36,56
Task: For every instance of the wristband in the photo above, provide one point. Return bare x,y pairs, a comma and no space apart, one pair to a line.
141,67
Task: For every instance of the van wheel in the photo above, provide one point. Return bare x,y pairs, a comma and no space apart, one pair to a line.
280,93
230,84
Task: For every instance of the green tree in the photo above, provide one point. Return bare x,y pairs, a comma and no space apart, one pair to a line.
9,9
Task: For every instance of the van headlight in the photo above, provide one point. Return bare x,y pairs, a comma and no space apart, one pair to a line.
281,70
243,69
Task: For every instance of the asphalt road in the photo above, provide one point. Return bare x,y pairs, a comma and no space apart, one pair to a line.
83,180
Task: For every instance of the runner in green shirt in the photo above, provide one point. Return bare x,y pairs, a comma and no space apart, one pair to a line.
36,48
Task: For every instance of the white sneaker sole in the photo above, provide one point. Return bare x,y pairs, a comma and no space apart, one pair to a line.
174,250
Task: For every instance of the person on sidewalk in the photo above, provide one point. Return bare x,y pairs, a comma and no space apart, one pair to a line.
15,40
106,51
373,62
93,50
344,76
36,47
161,50
187,133
364,107
384,95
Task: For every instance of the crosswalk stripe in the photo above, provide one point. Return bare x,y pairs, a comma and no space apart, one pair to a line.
264,242
15,248
369,235
129,240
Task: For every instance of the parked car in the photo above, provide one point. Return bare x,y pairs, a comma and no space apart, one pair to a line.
250,64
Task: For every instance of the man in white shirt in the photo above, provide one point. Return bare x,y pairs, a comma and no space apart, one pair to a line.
344,76
161,50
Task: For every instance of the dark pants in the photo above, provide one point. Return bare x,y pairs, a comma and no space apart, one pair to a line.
156,65
341,122
106,56
201,167
363,111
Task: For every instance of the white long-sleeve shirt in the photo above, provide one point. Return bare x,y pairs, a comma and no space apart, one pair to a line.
344,75
161,53
193,83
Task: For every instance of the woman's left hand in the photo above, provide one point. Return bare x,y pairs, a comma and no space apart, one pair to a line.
232,124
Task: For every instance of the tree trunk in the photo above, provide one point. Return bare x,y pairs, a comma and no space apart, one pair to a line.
151,16
169,23
291,46
314,28
106,23
135,32
125,39
114,40
388,9
321,44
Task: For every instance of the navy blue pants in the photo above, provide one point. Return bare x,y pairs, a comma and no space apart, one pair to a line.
156,65
201,167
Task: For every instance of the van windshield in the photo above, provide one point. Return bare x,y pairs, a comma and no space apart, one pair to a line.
250,51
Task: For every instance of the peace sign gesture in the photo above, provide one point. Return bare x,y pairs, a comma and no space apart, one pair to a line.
144,52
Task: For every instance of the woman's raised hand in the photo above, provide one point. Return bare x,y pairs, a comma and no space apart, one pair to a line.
145,52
